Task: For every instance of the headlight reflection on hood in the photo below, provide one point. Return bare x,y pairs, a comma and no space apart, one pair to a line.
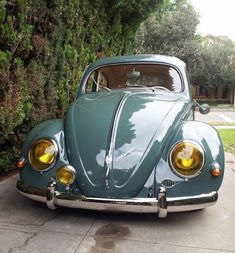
42,154
187,159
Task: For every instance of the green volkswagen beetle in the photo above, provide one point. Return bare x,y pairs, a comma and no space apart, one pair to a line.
129,142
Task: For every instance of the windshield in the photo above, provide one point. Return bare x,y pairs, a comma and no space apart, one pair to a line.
154,76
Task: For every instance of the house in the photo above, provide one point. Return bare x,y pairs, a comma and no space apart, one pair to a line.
220,95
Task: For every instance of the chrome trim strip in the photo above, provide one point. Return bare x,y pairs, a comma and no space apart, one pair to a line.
136,205
106,180
113,130
111,140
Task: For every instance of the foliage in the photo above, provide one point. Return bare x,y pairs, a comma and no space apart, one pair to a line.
44,47
215,63
173,34
210,60
228,138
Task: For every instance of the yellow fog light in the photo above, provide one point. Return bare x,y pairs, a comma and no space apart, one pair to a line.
42,154
187,159
66,175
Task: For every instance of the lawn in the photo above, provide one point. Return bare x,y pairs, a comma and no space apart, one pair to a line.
228,138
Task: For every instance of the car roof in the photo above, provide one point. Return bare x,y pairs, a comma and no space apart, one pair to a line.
148,58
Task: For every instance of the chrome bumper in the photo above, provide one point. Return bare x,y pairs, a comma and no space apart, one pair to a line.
162,205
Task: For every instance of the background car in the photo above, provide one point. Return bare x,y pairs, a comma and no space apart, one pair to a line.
129,142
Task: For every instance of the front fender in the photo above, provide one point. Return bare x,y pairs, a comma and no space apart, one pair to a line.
52,129
208,138
47,129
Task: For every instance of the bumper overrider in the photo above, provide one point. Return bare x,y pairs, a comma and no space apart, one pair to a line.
162,205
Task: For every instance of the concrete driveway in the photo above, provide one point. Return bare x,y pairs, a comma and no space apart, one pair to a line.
28,226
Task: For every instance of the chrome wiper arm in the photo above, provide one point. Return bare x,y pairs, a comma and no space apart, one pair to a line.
160,87
142,86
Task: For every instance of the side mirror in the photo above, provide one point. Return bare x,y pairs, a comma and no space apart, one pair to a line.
204,108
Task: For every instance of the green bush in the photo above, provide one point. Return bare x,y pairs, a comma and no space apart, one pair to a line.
45,45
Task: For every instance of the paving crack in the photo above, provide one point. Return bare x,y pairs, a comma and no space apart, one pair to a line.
37,225
83,238
31,236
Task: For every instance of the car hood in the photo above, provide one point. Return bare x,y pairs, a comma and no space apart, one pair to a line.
115,139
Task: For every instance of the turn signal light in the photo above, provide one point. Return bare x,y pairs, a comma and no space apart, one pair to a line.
21,163
215,170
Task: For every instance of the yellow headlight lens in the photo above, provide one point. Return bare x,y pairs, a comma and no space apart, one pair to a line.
42,154
66,175
187,159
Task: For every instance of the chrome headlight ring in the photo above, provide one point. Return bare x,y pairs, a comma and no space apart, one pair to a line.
33,159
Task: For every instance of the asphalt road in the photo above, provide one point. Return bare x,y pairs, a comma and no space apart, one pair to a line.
28,226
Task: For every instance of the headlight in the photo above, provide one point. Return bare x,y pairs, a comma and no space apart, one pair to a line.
42,154
187,159
66,175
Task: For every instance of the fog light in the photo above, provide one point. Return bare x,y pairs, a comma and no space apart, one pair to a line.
66,175
215,170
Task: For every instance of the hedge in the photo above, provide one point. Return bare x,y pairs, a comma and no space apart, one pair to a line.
44,48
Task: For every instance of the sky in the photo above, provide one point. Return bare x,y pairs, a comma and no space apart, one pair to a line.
217,17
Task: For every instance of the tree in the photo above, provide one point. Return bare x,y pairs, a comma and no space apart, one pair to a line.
216,60
210,61
173,34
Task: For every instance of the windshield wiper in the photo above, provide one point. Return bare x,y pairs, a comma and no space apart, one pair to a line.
142,86
160,87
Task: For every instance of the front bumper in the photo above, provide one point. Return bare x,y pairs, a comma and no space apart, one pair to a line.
162,205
